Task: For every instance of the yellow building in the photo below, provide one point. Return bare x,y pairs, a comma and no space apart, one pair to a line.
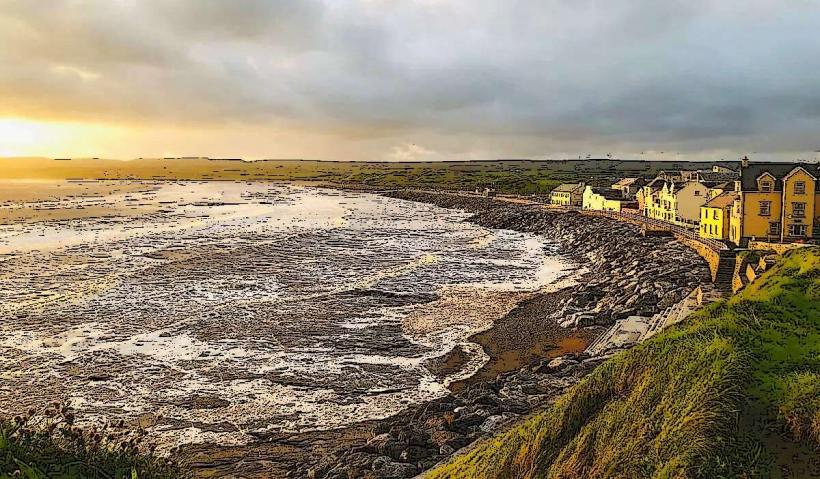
677,203
715,216
605,199
776,202
567,194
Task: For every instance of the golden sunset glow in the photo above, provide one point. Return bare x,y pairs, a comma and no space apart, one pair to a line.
24,137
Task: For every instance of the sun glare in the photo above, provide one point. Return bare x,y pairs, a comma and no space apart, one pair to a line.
23,137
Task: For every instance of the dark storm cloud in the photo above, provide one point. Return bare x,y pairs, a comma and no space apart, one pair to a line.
720,73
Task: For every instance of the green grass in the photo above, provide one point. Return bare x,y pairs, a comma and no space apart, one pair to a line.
733,391
507,176
47,444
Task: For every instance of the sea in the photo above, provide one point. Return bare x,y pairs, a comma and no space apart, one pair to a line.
222,311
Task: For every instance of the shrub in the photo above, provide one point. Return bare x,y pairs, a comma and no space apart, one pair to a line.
48,444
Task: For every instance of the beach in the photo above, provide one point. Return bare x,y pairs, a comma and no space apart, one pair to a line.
243,365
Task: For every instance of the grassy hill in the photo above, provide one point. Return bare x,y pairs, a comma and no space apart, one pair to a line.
733,391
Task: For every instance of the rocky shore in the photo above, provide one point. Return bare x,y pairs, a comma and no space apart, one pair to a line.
625,275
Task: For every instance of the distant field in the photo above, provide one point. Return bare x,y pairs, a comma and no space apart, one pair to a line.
507,176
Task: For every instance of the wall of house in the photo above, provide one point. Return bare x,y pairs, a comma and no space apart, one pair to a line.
755,225
639,197
714,223
736,221
592,201
688,201
790,197
560,198
612,205
817,207
662,206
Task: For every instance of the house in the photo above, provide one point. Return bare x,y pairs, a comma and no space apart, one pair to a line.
715,216
677,203
644,194
605,199
568,194
776,202
628,186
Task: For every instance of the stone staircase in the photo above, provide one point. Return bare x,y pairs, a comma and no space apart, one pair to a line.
725,271
625,333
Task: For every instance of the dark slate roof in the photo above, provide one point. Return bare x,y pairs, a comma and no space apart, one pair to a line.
656,184
567,187
713,177
750,174
608,193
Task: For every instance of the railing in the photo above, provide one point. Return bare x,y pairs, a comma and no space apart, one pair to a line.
635,217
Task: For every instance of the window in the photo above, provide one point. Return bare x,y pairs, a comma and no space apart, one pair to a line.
800,187
774,228
797,230
714,214
765,186
697,193
799,210
765,208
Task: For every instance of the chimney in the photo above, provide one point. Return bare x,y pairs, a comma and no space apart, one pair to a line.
744,163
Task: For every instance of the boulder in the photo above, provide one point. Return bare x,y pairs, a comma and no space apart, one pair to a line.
492,423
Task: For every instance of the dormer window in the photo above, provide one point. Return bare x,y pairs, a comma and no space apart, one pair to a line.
766,186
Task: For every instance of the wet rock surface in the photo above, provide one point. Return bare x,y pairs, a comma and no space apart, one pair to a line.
626,275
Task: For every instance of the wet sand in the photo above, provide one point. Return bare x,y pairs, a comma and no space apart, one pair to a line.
524,335
24,201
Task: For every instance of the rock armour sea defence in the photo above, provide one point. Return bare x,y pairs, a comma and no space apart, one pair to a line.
628,274
625,274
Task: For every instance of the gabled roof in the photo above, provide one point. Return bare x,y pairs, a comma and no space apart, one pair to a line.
655,184
750,174
722,200
608,193
567,187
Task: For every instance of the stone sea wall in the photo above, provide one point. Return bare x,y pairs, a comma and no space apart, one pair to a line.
626,275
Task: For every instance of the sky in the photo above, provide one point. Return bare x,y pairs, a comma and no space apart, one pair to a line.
411,79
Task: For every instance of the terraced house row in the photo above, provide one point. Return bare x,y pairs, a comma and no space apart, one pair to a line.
762,201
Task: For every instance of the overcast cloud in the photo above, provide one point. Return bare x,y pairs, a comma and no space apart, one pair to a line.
427,79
